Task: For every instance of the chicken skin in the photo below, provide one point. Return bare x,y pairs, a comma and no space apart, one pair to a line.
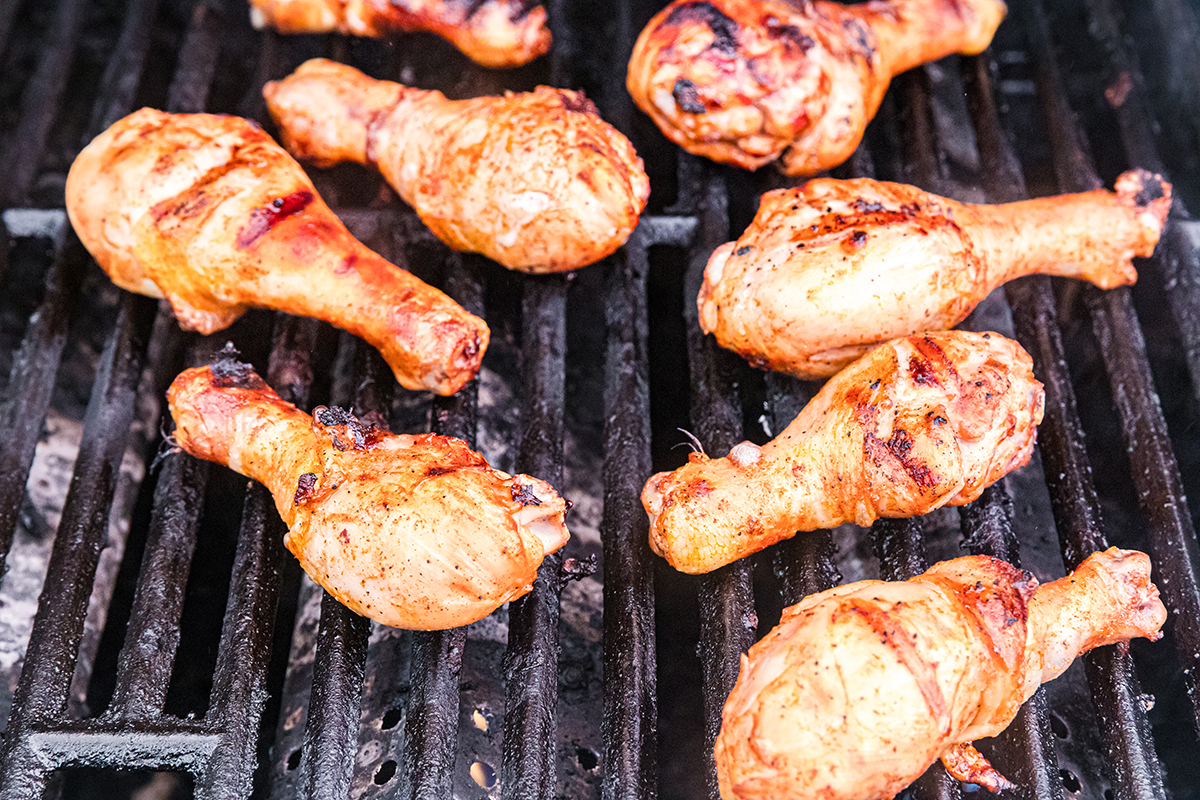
415,532
915,424
743,81
494,33
535,181
860,688
210,213
827,270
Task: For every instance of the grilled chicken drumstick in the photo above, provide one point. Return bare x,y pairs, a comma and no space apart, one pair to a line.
536,181
209,212
860,688
414,532
915,424
494,33
741,81
828,269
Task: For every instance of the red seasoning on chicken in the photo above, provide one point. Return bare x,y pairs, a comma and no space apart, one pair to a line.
210,213
914,425
494,33
860,688
415,532
743,81
536,181
827,270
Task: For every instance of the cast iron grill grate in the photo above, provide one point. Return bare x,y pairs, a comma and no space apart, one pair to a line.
303,698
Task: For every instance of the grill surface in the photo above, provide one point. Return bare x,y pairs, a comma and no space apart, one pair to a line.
176,635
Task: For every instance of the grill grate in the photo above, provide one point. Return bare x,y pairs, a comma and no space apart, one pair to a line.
312,701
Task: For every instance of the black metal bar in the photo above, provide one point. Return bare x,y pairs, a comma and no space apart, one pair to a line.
144,669
41,693
630,681
331,735
31,382
123,72
39,105
1154,469
431,730
727,621
238,693
531,660
124,747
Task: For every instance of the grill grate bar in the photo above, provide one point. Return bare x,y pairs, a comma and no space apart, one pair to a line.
1025,749
31,383
1155,471
41,693
331,730
531,659
431,729
1128,748
239,682
900,547
39,105
727,619
132,748
148,655
630,679
121,75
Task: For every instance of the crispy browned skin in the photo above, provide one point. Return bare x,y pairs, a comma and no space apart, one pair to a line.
414,532
741,81
209,212
915,424
827,270
536,181
494,33
860,688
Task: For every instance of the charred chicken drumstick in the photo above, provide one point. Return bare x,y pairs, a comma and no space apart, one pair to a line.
536,181
741,81
494,33
915,424
414,532
827,270
210,213
860,688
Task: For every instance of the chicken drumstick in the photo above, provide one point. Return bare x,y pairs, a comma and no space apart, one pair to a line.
415,532
536,181
860,688
494,33
741,81
209,212
915,424
828,269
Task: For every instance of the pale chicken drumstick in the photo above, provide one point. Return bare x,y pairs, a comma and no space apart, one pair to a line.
494,33
536,181
860,688
414,532
210,213
915,424
827,270
742,81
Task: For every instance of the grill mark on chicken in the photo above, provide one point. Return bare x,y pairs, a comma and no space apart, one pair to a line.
861,37
899,445
788,33
686,96
1000,605
723,27
266,217
894,635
